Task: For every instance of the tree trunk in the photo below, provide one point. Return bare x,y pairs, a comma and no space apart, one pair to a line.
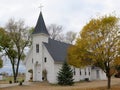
109,82
14,74
13,69
15,78
17,66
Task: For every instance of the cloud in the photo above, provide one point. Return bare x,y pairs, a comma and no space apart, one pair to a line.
72,14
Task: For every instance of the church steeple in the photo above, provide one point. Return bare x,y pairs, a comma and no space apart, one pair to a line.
40,26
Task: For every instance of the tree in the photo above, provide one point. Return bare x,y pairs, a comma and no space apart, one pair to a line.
1,63
3,39
55,31
99,45
65,75
15,39
70,37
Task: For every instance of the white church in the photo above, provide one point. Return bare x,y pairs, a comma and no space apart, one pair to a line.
46,56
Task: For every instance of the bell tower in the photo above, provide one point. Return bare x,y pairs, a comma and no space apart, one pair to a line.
39,35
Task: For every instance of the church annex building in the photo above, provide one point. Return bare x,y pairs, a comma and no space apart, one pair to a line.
46,56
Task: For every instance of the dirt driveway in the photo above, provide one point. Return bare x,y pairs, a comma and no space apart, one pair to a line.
77,86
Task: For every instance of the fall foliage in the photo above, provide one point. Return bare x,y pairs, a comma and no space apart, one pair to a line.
98,44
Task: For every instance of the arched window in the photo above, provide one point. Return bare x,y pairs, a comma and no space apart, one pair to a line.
45,59
80,72
89,71
32,60
37,48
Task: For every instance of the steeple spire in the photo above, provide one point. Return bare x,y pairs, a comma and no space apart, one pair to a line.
40,26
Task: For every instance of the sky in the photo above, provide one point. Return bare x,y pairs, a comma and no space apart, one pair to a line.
71,14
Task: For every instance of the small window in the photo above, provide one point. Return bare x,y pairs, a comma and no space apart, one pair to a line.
89,71
74,71
85,72
32,60
80,72
37,48
45,59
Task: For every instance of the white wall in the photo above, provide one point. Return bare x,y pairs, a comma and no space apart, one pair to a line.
57,68
49,66
38,57
94,76
82,76
29,65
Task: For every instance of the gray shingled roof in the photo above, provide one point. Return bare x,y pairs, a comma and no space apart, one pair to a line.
57,49
40,26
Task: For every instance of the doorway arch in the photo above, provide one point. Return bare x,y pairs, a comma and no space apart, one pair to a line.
44,75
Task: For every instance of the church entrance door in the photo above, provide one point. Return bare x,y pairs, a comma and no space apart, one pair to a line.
38,78
97,74
44,75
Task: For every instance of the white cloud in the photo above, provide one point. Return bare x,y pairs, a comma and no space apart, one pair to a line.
72,14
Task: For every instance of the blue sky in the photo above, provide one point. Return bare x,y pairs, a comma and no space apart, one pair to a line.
71,14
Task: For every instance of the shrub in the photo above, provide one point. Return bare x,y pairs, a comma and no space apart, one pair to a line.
86,79
20,83
10,82
22,80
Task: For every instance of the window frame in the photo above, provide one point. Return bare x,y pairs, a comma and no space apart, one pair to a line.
45,59
37,48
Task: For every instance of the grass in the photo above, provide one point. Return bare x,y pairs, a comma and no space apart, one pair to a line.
57,88
82,85
6,79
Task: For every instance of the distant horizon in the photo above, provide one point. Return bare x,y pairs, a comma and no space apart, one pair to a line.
9,70
7,67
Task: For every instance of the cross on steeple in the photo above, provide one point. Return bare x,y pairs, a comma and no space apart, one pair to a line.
40,26
41,6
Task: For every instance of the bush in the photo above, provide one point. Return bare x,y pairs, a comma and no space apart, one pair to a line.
10,82
86,79
20,83
22,80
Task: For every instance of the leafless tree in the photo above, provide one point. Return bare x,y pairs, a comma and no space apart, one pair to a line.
55,31
70,37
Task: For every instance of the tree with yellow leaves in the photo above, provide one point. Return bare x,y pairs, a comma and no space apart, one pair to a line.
98,44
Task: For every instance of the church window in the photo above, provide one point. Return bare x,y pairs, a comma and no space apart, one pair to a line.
80,72
37,48
85,72
74,71
89,71
45,59
32,60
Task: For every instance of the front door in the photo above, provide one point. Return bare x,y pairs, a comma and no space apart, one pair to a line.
97,74
38,73
44,75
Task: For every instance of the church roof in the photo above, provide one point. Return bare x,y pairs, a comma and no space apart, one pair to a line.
40,26
57,49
